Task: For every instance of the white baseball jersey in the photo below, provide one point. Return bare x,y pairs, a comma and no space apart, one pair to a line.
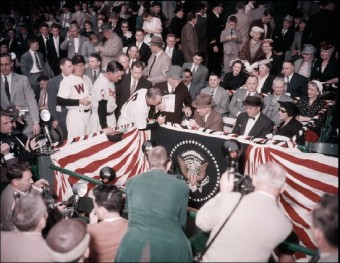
73,87
101,88
135,110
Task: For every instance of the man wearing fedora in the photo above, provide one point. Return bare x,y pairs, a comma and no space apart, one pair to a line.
253,122
283,37
158,63
175,95
205,116
113,46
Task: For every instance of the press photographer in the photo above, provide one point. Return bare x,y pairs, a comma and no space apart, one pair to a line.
252,223
15,146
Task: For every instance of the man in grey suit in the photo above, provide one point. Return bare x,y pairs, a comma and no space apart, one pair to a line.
189,38
58,112
199,72
218,94
158,63
32,65
95,67
271,105
113,46
16,91
194,90
73,42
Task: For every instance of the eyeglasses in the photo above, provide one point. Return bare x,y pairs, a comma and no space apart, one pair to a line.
283,111
125,27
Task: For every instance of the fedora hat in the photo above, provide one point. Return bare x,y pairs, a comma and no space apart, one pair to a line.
156,41
288,18
252,101
290,107
57,135
175,72
308,49
203,101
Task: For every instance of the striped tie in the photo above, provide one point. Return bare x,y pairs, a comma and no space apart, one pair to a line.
212,94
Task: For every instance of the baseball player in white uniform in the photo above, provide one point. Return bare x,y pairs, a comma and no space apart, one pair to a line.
103,99
136,109
74,93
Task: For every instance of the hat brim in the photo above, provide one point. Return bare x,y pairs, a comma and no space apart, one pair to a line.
194,104
173,77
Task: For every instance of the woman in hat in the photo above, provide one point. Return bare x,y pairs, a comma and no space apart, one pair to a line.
304,65
310,106
289,126
252,50
326,69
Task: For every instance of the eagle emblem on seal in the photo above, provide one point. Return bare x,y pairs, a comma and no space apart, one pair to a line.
193,167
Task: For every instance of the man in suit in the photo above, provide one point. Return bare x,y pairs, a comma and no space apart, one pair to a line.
73,42
143,49
236,105
21,183
189,38
264,23
172,51
201,27
58,112
296,83
65,19
271,105
253,122
134,55
215,49
16,90
243,22
218,94
199,72
175,95
42,39
24,35
33,66
79,16
129,84
159,62
113,46
194,89
95,67
54,52
205,116
172,200
283,37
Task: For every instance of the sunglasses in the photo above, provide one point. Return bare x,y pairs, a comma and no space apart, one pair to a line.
283,111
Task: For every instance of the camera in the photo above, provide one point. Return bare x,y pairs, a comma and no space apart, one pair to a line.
232,151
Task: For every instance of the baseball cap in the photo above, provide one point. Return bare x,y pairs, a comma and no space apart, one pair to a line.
77,59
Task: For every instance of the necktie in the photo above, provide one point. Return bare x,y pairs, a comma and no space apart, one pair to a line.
94,75
252,118
212,94
133,87
153,62
194,70
287,81
37,60
283,32
7,89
